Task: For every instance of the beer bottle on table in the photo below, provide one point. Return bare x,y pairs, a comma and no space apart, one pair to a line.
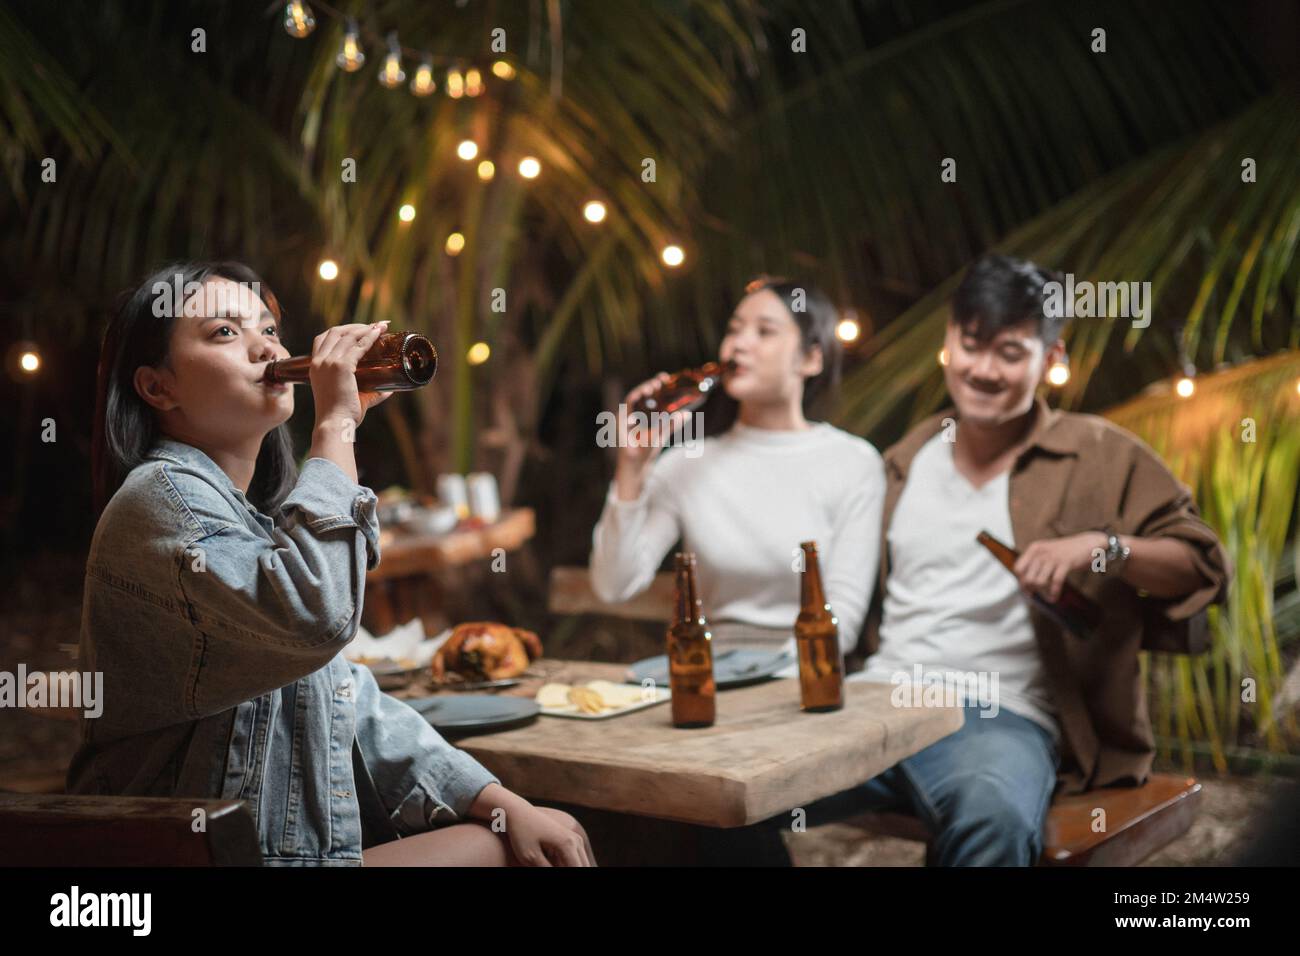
397,362
684,390
1076,613
817,635
690,652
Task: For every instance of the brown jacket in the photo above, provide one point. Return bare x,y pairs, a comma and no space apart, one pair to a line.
1081,473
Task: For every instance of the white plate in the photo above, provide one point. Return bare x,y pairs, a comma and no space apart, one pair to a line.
661,694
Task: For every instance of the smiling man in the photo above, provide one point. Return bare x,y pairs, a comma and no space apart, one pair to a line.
1081,499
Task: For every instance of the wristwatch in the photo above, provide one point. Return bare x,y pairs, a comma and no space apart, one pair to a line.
1116,551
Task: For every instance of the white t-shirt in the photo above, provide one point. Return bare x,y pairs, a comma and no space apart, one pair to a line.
949,605
743,504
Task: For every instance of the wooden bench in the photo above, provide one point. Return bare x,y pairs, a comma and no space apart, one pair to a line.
1139,820
59,830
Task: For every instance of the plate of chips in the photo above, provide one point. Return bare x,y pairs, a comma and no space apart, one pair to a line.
597,699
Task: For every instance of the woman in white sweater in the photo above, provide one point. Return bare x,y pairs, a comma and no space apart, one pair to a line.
764,479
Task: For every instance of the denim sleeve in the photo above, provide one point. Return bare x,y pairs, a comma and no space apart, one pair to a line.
293,593
422,780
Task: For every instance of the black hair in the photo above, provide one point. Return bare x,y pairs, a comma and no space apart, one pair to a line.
126,427
816,316
999,292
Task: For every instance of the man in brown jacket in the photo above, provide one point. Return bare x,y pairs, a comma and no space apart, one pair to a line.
1083,501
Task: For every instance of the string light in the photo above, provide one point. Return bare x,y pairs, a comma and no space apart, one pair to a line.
1059,373
351,58
529,167
473,82
594,211
847,329
943,357
392,75
406,213
486,170
298,19
673,256
29,362
1186,384
455,243
328,269
455,84
478,353
467,149
423,84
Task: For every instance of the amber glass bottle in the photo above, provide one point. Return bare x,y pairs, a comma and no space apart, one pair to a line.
817,635
685,390
690,652
1073,611
397,362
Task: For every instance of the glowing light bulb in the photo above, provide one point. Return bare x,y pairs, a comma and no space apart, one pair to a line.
298,19
424,84
473,82
673,256
478,353
455,243
1185,387
406,213
29,362
943,357
503,70
1058,374
486,170
455,84
848,330
594,211
467,149
328,269
351,58
391,75
529,167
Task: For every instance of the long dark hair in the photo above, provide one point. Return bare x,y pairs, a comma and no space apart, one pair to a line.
816,316
126,427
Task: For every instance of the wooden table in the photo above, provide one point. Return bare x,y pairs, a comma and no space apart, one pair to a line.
406,583
763,757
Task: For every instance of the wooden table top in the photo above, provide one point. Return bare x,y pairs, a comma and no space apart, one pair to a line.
403,553
762,757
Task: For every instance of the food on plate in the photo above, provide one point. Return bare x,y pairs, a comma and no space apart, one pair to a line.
485,650
403,662
594,697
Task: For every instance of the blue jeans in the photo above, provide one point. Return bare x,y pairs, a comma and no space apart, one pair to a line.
982,792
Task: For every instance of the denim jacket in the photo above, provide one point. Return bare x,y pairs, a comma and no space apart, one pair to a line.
219,633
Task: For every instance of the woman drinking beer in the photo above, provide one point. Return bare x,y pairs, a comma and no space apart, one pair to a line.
743,499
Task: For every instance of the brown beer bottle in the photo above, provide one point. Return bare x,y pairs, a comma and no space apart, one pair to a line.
690,652
685,390
397,362
1076,613
817,635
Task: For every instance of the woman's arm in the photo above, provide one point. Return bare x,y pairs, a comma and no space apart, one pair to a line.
273,606
630,540
854,558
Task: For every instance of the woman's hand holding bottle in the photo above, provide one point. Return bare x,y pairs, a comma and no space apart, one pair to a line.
340,405
639,441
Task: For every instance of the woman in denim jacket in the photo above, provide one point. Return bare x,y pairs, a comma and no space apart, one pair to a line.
222,586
